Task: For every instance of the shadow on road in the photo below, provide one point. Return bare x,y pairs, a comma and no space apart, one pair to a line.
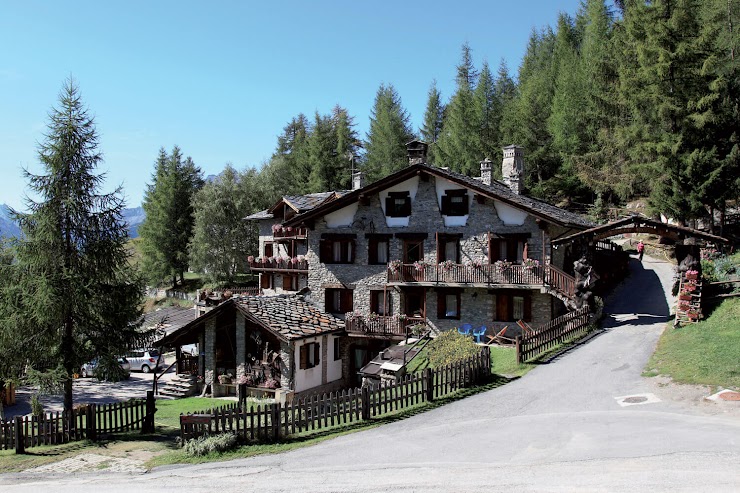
639,300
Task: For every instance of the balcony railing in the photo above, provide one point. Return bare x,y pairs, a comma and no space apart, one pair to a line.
289,233
465,274
279,264
379,325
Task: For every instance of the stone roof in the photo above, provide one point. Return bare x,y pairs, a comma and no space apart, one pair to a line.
266,214
168,319
301,203
289,316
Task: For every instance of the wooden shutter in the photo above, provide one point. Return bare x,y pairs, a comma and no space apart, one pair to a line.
329,301
268,250
390,206
440,246
287,282
441,308
527,307
406,209
316,353
346,300
325,252
511,250
445,209
372,251
304,357
502,307
265,281
494,250
353,245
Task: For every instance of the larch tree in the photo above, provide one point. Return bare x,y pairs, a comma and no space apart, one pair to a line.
385,148
76,295
487,115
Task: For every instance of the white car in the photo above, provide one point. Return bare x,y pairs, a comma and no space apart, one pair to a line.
145,360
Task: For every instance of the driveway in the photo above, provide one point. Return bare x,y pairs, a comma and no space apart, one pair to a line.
560,428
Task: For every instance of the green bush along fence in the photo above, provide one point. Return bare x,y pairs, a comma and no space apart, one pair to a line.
85,422
337,409
569,326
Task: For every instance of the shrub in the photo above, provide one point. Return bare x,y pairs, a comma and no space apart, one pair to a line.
449,347
37,409
208,444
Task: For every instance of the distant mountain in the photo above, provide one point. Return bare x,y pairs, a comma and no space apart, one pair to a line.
8,228
133,218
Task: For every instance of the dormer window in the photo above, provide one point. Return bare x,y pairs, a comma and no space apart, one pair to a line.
398,204
455,203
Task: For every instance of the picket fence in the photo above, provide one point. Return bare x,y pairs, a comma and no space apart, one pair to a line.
84,422
272,422
559,330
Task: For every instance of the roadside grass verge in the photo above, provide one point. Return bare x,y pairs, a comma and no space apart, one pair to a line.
706,353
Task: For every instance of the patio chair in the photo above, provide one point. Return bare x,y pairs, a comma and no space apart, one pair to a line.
479,332
465,329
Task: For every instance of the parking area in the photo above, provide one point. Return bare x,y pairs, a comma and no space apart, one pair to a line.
91,391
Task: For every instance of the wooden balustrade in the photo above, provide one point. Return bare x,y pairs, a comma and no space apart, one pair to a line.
379,325
466,274
560,281
293,233
279,266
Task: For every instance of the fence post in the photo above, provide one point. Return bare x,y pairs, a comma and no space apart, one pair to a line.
275,411
519,349
365,398
429,384
20,440
148,425
91,431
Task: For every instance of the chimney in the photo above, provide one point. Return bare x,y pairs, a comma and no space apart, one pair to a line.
416,151
486,171
512,168
358,180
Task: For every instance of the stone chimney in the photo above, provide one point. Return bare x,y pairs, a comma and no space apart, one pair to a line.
512,168
486,171
358,180
416,151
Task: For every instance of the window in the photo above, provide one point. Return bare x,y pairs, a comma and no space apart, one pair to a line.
514,250
455,203
398,204
268,249
448,248
378,250
310,355
337,355
338,300
413,251
513,306
448,304
337,251
266,281
376,302
290,283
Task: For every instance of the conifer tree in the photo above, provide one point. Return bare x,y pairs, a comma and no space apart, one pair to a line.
76,296
388,135
433,118
293,149
486,114
505,92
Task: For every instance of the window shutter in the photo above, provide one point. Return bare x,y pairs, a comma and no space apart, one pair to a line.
287,282
352,245
528,307
372,251
511,250
440,247
346,300
406,207
316,353
268,250
494,250
502,307
465,205
445,205
304,357
390,207
441,308
325,251
265,281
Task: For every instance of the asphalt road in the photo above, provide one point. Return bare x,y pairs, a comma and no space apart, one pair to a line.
560,428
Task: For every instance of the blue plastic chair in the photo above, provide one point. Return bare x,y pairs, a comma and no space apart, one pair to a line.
465,329
479,332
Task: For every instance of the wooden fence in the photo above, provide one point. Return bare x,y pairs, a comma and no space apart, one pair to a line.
85,422
338,409
569,326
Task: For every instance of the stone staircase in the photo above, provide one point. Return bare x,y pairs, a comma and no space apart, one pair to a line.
180,386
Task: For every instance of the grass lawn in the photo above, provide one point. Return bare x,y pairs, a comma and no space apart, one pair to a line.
503,362
705,353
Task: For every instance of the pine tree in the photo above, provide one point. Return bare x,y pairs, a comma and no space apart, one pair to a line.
76,295
458,145
389,132
487,115
505,92
293,149
433,118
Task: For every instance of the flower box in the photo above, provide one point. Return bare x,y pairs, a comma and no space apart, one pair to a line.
684,297
692,276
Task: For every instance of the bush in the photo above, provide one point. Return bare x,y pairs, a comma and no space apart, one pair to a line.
37,409
207,444
450,347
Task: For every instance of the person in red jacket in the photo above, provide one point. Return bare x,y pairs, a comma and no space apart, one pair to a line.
640,250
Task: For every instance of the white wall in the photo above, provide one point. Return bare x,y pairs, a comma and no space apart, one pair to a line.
411,185
343,217
310,377
442,186
333,368
511,216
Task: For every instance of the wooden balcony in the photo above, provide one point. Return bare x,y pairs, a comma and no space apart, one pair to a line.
286,266
379,325
289,234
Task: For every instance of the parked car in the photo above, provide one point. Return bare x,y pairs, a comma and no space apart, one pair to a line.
145,360
89,369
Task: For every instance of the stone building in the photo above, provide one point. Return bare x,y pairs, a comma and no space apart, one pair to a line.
422,247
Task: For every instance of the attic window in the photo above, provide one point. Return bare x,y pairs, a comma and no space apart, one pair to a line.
398,204
455,203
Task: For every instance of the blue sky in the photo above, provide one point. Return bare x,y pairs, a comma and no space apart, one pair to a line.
221,79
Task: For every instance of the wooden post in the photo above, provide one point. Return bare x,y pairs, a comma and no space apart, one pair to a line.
20,439
275,411
365,397
242,393
518,349
90,424
429,384
150,410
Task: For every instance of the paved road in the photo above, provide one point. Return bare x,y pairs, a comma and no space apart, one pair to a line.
560,428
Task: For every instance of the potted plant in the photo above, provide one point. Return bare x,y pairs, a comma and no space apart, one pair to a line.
684,296
225,379
394,266
530,263
446,264
692,275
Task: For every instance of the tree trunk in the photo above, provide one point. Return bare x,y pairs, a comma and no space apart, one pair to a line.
68,360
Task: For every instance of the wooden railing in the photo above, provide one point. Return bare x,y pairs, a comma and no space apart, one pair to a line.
187,365
570,326
293,233
312,414
279,265
378,325
560,281
465,274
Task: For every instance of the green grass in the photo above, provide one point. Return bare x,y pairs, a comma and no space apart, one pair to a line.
168,411
706,353
503,362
